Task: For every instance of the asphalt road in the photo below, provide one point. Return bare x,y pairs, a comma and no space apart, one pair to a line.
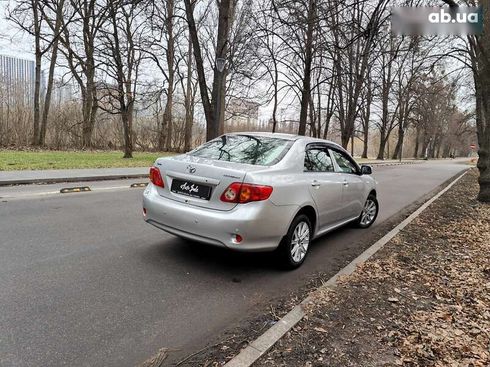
85,282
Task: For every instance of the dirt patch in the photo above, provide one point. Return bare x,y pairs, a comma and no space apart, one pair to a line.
423,300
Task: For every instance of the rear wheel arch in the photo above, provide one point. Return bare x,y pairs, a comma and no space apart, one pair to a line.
310,212
373,192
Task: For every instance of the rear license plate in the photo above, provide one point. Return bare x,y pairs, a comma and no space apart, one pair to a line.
192,189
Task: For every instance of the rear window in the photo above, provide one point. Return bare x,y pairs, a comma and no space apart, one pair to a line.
258,150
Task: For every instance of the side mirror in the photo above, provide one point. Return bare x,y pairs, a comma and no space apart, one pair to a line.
366,170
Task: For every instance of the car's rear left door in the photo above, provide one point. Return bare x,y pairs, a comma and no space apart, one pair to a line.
324,185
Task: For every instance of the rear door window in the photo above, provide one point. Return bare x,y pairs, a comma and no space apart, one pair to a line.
317,159
249,149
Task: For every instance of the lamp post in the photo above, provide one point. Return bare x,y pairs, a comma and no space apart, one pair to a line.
220,67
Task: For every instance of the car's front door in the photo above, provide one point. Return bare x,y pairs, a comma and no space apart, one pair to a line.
352,184
324,184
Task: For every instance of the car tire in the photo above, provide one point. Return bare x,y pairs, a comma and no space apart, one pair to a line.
369,212
295,244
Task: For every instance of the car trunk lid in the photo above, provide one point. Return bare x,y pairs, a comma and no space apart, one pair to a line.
200,181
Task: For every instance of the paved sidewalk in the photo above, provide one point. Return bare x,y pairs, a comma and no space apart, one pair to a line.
70,175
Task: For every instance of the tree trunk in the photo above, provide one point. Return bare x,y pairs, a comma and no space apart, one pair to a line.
188,101
417,142
201,74
52,65
482,86
275,81
397,153
385,94
167,126
37,77
47,97
365,119
222,103
168,115
312,118
127,117
306,89
328,117
37,98
352,145
319,111
345,137
365,144
382,147
89,106
274,110
329,111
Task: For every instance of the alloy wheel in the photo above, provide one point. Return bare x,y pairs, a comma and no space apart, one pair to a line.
300,241
368,213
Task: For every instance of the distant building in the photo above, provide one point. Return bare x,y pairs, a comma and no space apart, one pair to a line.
241,115
17,79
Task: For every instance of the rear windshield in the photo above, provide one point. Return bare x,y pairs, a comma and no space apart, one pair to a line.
258,150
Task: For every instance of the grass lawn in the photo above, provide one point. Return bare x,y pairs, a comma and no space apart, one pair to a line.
11,160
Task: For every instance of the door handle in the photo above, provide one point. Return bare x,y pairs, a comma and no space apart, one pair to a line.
315,184
346,183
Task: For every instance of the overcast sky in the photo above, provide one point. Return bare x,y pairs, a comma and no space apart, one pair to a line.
12,42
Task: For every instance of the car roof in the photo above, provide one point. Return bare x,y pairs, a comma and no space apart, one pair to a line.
268,134
307,139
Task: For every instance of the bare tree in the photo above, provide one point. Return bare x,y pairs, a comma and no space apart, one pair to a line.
267,55
189,97
367,100
161,49
355,29
121,55
79,48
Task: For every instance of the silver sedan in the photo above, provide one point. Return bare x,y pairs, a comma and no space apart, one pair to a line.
260,192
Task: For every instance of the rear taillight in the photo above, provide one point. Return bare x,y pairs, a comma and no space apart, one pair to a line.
156,177
243,193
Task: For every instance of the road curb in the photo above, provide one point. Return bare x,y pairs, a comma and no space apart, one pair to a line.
70,179
378,164
263,343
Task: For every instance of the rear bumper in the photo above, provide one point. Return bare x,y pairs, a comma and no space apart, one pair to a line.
261,224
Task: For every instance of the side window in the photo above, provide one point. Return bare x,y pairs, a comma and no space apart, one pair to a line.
317,159
344,163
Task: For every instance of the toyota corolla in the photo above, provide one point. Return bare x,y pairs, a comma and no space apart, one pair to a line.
260,192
